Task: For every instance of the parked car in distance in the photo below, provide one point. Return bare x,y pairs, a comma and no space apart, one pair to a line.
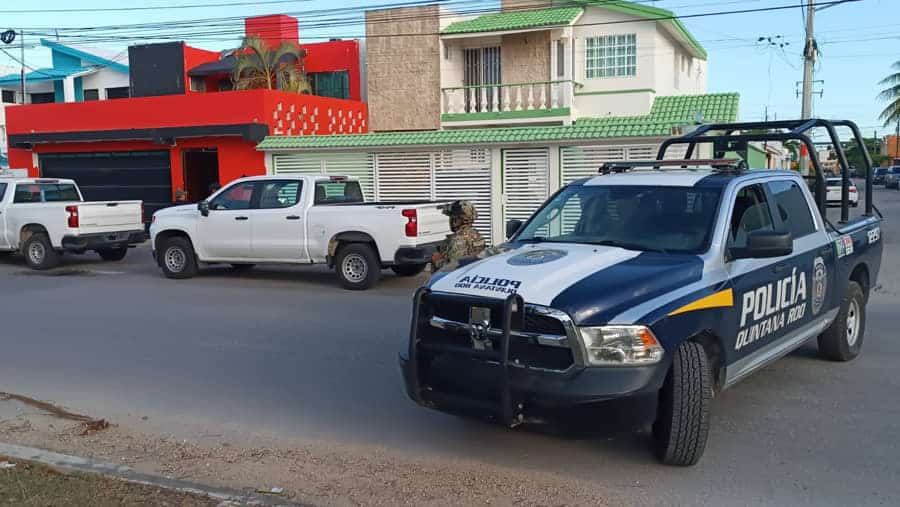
299,219
878,176
892,178
43,218
833,192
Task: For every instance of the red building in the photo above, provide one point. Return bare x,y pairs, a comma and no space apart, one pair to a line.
184,128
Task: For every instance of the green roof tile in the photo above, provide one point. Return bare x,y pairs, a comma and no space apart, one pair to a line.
666,113
499,21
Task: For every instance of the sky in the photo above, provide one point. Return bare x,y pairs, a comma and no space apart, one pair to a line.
858,41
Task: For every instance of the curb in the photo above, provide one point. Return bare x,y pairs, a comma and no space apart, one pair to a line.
128,474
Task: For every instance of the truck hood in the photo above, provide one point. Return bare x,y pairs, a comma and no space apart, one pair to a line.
176,210
591,283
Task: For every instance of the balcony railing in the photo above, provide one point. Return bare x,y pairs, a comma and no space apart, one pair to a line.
543,98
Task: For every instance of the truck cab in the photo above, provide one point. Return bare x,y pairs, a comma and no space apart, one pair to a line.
661,281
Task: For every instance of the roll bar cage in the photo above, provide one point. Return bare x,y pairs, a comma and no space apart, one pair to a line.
733,137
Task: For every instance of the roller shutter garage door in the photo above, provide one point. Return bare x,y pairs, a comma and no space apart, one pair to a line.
115,176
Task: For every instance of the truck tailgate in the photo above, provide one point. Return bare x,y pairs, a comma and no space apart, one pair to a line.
100,217
433,224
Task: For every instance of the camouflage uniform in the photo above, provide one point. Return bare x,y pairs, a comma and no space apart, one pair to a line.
465,240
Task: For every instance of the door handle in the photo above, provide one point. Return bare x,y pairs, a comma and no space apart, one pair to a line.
241,218
780,267
292,217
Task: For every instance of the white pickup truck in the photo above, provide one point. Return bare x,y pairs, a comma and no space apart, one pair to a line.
299,219
42,218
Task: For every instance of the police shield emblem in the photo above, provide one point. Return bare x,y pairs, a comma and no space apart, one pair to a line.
820,285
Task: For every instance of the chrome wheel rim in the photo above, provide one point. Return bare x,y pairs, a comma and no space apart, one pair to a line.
355,268
175,259
36,252
853,322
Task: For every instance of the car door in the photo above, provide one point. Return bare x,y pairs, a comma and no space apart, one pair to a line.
758,319
812,265
4,243
278,231
225,232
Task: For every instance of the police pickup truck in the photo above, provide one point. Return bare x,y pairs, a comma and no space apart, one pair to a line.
651,283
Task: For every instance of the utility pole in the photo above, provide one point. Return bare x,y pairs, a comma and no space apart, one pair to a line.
22,57
809,63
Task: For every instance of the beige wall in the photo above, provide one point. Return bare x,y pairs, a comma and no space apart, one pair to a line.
403,71
525,57
512,5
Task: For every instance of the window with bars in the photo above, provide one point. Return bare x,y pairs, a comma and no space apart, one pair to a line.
611,56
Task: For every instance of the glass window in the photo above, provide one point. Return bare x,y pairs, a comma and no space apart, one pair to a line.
793,207
751,213
198,84
331,84
279,194
2,190
60,192
640,217
336,192
9,96
27,193
237,196
611,56
121,92
92,94
43,98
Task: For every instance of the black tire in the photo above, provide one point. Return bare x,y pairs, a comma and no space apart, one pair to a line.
39,253
682,420
357,266
113,254
408,269
837,343
240,268
177,258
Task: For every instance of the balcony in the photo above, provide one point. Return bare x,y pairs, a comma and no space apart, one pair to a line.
540,102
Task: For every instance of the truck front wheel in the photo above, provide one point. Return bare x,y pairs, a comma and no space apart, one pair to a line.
357,266
682,419
177,259
39,253
843,339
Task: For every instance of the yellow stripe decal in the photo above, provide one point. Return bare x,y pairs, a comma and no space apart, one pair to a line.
720,299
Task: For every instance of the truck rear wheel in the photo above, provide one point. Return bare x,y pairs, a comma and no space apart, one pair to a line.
357,266
113,254
682,421
39,253
843,339
408,269
177,259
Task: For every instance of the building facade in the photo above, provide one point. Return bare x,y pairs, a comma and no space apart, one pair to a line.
182,128
532,63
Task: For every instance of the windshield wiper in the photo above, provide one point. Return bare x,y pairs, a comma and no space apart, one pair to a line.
629,246
533,239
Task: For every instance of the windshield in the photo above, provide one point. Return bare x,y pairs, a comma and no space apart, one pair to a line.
881,171
662,219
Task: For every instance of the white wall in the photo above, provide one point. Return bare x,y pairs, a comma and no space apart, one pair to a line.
105,78
677,71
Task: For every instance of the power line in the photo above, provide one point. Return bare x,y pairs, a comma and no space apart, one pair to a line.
148,8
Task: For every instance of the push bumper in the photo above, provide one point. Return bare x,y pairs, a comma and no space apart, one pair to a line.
487,383
420,254
104,241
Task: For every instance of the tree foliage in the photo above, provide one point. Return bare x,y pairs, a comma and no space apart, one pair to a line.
259,66
891,94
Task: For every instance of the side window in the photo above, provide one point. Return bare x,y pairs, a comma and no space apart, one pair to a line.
27,193
60,193
278,194
336,192
237,196
2,191
793,208
751,213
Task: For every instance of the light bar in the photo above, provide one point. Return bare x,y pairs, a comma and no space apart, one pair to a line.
620,165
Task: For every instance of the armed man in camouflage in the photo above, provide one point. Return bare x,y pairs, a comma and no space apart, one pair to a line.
464,242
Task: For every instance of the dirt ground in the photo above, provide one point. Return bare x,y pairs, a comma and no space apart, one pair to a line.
309,473
25,484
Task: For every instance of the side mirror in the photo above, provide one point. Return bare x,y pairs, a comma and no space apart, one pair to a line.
512,227
203,206
765,244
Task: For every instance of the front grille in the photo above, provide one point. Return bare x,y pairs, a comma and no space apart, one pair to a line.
524,350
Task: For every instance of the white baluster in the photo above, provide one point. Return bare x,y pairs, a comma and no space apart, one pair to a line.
555,89
472,105
505,90
483,105
530,105
519,100
495,98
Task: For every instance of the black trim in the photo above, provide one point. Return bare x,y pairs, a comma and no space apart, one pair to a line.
416,254
251,132
104,240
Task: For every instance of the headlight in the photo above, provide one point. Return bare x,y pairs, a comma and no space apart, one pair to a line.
620,345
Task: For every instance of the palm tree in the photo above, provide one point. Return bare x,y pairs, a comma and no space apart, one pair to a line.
891,95
260,66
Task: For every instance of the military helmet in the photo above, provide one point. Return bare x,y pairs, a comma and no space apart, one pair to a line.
463,210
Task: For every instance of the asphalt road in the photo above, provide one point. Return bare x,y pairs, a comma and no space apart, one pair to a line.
287,352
